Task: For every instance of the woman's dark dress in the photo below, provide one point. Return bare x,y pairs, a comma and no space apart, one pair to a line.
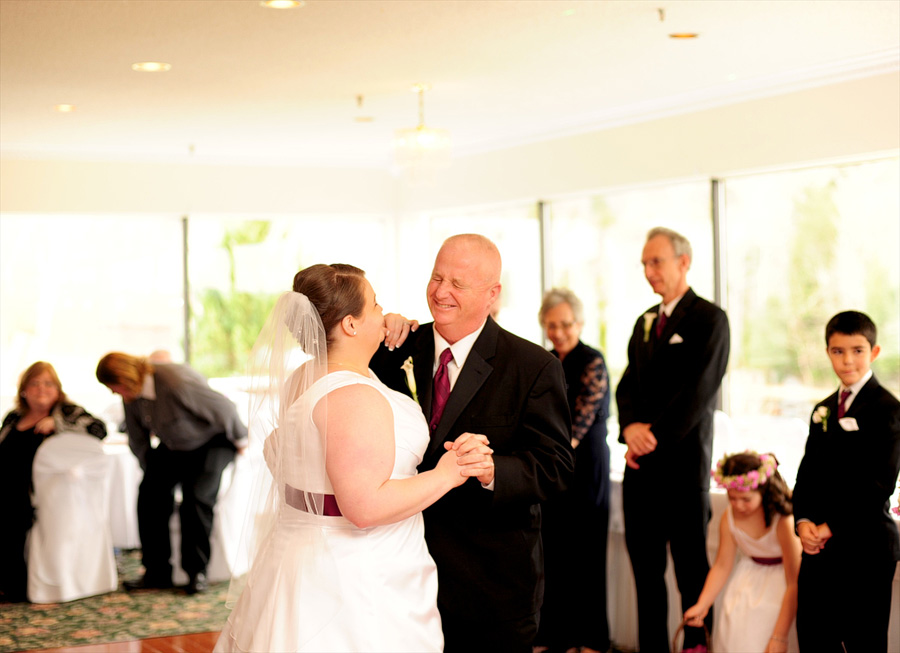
575,525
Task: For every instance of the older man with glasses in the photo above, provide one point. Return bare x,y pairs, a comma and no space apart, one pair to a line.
666,398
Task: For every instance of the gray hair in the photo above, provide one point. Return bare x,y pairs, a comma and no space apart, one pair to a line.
680,244
556,296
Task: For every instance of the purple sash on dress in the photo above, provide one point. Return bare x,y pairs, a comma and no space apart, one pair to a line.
767,561
297,499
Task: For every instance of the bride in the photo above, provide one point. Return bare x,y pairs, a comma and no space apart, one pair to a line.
340,559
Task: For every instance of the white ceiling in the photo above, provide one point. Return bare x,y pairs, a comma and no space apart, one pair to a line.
259,85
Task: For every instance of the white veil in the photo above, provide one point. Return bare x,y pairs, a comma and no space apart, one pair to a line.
288,358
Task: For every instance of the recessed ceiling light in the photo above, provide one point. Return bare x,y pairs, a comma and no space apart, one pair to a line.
282,4
151,66
683,35
65,108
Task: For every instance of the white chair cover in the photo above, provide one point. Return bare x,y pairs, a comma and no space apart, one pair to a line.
70,551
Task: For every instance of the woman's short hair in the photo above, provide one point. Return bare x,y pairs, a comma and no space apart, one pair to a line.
556,296
34,370
776,495
123,369
335,290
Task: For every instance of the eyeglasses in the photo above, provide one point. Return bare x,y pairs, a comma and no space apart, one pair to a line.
36,383
559,326
655,262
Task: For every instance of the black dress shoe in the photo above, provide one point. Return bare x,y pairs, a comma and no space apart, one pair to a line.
145,583
197,584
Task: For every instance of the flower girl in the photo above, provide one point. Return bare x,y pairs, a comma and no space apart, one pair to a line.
758,608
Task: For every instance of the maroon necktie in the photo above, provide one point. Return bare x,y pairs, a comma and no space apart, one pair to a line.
841,409
441,389
661,323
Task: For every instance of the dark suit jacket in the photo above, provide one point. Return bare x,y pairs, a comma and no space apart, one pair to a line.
487,543
847,477
672,386
185,415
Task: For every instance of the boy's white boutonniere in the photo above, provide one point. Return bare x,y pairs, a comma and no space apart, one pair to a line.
648,323
410,377
820,416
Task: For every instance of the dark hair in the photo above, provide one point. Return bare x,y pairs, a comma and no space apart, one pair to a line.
117,368
851,323
776,495
335,290
34,370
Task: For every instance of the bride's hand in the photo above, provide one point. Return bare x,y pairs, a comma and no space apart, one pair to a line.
474,455
447,466
397,328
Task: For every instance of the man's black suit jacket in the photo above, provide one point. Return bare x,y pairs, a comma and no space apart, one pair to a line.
671,383
486,544
846,478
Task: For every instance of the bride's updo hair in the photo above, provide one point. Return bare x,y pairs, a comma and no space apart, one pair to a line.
335,290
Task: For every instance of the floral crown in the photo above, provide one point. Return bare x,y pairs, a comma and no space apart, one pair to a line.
748,480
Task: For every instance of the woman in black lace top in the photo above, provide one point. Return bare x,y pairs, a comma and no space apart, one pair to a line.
42,409
575,526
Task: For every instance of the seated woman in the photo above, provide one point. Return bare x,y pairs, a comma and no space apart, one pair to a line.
42,409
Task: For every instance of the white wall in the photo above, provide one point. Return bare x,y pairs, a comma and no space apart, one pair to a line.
840,120
65,186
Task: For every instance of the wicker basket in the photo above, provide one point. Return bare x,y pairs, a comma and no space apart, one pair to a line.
676,648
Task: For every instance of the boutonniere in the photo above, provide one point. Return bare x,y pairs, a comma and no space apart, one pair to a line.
820,416
410,377
648,324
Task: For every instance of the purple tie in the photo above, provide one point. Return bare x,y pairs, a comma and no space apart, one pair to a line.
841,409
441,389
661,322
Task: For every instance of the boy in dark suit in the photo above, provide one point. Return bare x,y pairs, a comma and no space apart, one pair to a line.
848,473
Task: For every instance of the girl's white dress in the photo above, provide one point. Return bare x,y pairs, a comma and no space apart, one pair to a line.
746,614
321,584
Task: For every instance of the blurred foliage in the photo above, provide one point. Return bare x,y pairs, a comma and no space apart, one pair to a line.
227,322
786,339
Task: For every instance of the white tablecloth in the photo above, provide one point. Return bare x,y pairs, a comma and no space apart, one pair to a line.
126,475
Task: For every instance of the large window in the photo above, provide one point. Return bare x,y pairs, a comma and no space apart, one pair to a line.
797,246
238,267
75,287
801,246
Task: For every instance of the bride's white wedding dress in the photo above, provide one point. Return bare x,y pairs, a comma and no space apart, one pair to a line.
319,583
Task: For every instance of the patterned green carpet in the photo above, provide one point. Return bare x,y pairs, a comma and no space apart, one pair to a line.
114,617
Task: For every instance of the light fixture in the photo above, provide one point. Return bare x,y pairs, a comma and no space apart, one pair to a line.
360,115
151,66
420,151
282,4
65,108
675,35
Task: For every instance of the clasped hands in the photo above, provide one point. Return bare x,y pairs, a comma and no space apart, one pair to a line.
813,537
473,457
640,441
